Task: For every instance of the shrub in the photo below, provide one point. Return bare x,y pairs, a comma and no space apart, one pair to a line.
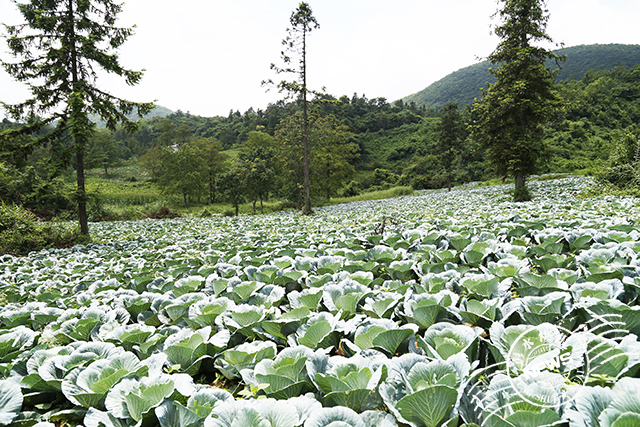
624,161
352,189
521,194
22,232
163,213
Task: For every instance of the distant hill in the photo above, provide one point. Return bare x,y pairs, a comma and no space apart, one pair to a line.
158,111
464,85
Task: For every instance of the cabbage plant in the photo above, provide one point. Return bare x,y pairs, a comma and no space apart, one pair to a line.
263,412
607,407
206,311
88,386
443,340
344,297
321,330
554,307
133,398
351,382
199,406
187,349
14,344
381,305
425,393
244,356
10,400
601,359
425,309
244,320
533,399
129,337
286,376
530,284
479,313
526,347
383,335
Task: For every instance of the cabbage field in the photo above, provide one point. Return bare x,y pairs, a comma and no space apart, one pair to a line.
439,309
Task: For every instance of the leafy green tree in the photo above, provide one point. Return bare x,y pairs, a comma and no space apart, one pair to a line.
259,163
152,162
58,49
512,112
102,150
184,173
233,186
330,150
302,23
450,137
183,134
333,151
167,132
623,170
214,163
288,138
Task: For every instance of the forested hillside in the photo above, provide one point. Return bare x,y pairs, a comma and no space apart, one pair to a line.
464,85
377,144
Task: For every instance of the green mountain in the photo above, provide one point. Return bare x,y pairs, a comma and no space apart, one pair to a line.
464,85
158,111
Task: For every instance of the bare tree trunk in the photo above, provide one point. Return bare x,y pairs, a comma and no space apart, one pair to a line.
80,134
305,129
521,194
82,194
519,181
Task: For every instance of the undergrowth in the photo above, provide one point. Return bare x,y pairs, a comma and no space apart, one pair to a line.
22,232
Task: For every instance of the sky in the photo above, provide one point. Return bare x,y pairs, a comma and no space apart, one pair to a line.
208,57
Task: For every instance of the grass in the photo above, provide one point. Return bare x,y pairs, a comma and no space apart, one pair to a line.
374,195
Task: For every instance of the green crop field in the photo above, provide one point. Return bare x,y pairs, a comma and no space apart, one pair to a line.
434,309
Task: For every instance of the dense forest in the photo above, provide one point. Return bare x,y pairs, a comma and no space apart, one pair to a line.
379,145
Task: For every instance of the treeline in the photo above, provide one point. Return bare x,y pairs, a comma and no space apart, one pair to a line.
389,144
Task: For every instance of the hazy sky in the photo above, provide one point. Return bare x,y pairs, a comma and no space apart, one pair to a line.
208,57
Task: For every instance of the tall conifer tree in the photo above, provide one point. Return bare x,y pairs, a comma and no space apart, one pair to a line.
512,112
302,23
58,49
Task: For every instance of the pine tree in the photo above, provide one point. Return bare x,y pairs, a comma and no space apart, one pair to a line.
512,112
58,49
302,23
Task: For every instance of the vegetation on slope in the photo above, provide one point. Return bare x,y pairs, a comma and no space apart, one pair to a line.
466,84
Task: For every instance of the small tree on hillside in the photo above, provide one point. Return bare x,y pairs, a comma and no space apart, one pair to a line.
233,186
214,162
333,151
330,150
450,137
184,173
102,151
512,112
260,165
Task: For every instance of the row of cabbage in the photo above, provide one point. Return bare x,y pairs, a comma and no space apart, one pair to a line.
440,309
